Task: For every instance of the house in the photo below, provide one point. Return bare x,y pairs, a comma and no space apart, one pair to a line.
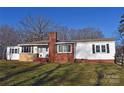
88,50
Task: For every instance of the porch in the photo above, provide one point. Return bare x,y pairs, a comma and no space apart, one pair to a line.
33,52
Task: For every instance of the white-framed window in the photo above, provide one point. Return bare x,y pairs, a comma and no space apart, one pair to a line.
14,51
26,49
103,48
100,48
42,49
64,48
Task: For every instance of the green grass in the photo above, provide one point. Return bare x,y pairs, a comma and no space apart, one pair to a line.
51,74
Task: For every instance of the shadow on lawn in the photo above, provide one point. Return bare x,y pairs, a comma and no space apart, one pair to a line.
22,71
41,81
48,72
43,76
100,75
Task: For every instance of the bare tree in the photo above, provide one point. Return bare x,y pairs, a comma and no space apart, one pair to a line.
120,37
35,28
65,33
8,37
89,33
121,27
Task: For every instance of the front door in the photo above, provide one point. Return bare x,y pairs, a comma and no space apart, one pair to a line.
43,52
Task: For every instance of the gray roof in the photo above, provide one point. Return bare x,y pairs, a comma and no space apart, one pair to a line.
92,40
43,42
38,42
89,40
71,41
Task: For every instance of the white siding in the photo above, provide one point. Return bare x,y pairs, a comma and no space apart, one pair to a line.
84,50
14,56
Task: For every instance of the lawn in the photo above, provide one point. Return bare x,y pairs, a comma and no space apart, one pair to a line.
51,74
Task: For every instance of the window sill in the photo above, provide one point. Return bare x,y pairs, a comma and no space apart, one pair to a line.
64,52
26,53
101,53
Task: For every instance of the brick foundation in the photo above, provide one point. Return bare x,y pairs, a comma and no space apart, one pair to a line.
42,60
94,61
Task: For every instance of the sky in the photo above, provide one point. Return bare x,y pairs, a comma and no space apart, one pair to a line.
105,19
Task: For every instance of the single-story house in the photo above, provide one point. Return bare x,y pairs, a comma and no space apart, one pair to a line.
87,50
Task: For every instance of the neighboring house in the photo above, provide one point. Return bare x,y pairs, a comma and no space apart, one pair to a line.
87,50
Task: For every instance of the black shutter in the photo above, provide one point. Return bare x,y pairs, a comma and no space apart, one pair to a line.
22,49
108,51
93,48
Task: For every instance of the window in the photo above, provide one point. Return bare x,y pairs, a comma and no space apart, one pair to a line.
26,49
60,48
42,49
100,48
64,48
97,48
103,48
14,51
39,49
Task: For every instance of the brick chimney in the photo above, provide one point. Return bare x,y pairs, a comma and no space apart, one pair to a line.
52,45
